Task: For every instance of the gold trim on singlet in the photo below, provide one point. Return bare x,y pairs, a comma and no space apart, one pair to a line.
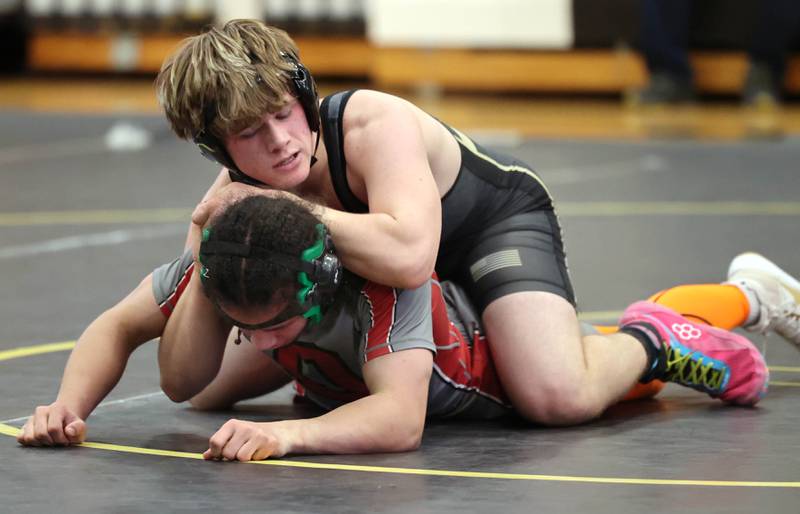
470,145
510,168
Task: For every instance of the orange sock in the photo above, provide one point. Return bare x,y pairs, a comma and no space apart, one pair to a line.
719,305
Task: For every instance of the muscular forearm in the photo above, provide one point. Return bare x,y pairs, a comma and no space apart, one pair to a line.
192,345
95,365
378,247
397,247
374,424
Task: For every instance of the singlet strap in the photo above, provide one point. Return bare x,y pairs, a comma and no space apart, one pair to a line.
332,114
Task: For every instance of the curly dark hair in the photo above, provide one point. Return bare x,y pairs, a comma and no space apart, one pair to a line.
274,224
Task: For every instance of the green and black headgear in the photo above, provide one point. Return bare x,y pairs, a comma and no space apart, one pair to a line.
319,273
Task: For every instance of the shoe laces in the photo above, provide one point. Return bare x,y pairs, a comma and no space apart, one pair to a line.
693,369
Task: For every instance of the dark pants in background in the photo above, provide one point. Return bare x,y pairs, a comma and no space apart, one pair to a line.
665,33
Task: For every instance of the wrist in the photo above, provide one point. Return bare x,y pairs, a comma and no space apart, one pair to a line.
292,436
73,405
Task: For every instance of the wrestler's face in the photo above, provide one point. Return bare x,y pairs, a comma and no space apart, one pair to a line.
266,328
277,149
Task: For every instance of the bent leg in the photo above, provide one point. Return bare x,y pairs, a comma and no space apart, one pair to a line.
640,390
245,373
552,374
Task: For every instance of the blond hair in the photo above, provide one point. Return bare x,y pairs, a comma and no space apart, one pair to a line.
227,77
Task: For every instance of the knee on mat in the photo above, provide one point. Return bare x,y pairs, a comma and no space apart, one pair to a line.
558,407
204,403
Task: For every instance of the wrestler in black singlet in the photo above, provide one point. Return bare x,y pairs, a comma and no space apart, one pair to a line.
500,234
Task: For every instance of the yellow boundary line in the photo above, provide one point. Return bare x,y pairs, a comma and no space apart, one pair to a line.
678,208
22,219
27,351
68,345
595,316
785,369
12,431
780,383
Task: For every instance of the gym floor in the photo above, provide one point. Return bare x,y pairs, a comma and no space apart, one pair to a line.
647,201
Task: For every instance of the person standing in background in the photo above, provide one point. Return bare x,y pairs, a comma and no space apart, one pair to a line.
665,27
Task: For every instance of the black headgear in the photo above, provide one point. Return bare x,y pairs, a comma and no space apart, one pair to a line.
318,267
305,89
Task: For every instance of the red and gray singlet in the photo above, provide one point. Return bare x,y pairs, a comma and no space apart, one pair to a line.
326,361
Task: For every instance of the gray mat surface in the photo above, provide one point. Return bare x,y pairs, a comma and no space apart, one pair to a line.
50,292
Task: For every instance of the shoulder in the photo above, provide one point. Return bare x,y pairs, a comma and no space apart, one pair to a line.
170,280
378,297
391,306
395,319
367,107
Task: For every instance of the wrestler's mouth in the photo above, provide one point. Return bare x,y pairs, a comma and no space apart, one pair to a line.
287,162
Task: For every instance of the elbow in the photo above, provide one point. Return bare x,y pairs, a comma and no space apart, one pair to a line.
408,439
415,271
206,402
413,442
177,391
410,443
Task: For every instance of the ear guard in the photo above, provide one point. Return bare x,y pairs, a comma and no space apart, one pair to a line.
321,276
319,271
305,89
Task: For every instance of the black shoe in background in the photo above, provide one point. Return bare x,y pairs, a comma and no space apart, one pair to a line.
761,87
665,88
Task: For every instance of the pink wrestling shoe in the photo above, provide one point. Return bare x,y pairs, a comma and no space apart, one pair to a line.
723,364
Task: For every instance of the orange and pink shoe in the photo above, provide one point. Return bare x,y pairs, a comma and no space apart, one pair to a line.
712,360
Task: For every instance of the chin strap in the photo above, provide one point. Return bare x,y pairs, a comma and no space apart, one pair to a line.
316,145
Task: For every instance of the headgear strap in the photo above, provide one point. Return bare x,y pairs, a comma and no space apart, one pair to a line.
319,270
305,89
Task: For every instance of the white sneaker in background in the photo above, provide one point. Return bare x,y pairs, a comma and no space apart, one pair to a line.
774,295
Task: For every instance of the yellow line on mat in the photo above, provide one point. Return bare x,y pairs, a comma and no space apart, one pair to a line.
23,219
12,431
785,369
783,384
610,316
27,351
678,208
564,209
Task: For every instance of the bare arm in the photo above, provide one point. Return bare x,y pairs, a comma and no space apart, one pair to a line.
390,419
193,343
194,325
397,242
246,372
95,366
222,180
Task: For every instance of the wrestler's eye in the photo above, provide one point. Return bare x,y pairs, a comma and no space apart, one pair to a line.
249,131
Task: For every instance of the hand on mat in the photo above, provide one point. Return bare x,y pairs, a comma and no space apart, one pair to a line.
246,440
52,425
